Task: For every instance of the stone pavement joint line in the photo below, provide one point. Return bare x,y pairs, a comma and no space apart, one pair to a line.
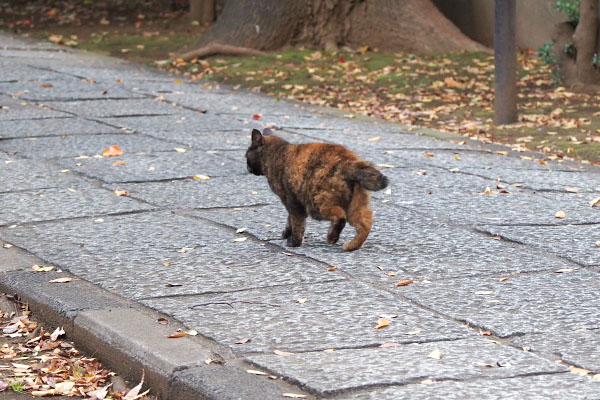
485,294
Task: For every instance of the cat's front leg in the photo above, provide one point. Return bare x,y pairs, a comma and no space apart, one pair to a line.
287,232
297,222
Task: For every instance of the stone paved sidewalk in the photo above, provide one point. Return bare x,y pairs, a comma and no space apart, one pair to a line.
506,292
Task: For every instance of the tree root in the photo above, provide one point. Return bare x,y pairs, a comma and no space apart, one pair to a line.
216,48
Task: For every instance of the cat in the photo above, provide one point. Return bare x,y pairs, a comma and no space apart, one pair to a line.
324,181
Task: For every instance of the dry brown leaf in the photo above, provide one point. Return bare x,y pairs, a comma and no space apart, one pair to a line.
112,151
330,269
560,214
381,323
429,154
242,341
201,177
57,332
595,202
120,192
133,393
177,335
404,282
39,268
579,371
118,162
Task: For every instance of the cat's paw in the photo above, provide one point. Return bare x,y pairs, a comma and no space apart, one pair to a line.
333,237
293,242
349,246
287,232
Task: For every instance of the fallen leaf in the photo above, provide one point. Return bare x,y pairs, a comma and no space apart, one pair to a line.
241,239
241,230
330,269
374,139
163,321
112,151
415,332
429,154
388,345
38,268
256,117
381,323
282,353
597,243
121,192
435,354
302,300
46,85
57,332
3,386
564,270
179,150
177,335
7,245
256,372
295,395
64,387
201,177
560,214
61,280
242,341
579,371
192,332
595,202
118,162
571,189
404,282
133,393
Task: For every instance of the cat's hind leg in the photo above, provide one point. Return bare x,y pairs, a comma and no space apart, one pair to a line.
287,232
337,216
296,222
360,216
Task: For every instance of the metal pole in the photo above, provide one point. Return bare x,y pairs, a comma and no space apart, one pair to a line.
505,60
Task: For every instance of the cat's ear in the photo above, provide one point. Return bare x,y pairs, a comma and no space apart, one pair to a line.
257,138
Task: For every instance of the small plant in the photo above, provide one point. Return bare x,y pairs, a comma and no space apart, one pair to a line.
569,49
596,60
570,8
546,54
16,386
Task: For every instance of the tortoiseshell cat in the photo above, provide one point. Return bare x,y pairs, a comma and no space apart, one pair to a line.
325,181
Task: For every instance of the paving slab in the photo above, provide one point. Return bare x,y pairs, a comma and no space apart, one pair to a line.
174,257
537,387
52,127
572,242
113,108
521,304
83,145
311,317
580,347
325,373
395,250
13,110
63,202
61,88
154,167
234,191
20,175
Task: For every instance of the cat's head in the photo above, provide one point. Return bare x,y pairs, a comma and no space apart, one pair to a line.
253,162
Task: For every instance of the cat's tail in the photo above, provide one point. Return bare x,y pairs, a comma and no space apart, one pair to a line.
366,175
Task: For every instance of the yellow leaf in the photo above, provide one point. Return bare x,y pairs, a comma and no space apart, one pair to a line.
560,214
201,177
488,190
121,192
435,354
177,81
381,323
179,150
457,158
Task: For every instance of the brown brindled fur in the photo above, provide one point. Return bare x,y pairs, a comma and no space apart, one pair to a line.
325,181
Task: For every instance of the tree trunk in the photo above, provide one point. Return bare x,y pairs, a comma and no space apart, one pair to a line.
584,40
576,65
505,62
202,10
396,25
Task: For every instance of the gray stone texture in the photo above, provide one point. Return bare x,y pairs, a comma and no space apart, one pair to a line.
521,304
326,373
65,88
112,108
572,242
168,256
155,166
63,202
83,145
52,127
333,315
541,387
21,175
25,110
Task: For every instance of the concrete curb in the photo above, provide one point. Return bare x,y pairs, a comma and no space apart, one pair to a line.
127,337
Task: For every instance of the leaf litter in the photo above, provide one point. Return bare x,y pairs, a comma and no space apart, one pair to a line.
43,363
